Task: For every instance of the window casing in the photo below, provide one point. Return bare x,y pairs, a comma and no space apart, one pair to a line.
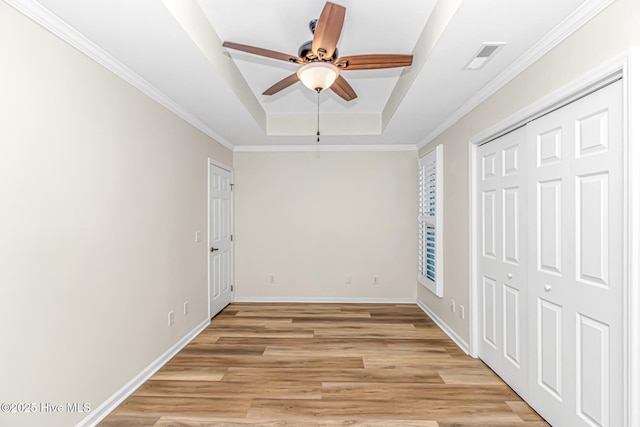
430,218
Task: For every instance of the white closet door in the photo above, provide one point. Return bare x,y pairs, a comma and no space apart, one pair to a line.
575,242
503,260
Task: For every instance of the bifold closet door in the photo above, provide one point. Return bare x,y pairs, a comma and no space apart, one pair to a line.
502,261
575,222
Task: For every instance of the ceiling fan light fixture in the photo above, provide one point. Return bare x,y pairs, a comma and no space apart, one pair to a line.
318,76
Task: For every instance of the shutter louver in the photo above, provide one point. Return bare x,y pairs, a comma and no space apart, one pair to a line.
430,221
431,252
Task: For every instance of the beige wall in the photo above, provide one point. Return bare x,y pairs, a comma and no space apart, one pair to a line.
101,191
613,32
310,219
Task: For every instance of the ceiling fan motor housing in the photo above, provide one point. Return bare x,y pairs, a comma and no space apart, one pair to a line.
307,54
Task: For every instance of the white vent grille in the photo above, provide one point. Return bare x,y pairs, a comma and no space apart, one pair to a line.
486,52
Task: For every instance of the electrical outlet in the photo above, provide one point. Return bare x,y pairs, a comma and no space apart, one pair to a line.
347,280
453,306
272,279
461,311
186,308
171,316
375,280
198,236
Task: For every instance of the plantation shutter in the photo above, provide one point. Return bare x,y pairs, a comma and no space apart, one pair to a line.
430,221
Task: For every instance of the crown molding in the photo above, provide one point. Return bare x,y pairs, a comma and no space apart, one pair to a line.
572,23
316,148
47,19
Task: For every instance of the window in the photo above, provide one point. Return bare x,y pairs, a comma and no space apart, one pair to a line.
430,221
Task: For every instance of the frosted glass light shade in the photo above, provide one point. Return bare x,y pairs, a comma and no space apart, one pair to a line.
318,75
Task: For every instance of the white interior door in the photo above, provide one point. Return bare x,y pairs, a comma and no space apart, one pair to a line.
502,260
220,239
575,202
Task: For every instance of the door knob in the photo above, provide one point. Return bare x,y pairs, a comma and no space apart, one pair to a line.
509,275
214,249
547,288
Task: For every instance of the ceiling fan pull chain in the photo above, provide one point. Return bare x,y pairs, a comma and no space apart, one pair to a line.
318,132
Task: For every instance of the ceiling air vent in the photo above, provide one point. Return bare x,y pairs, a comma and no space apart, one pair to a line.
486,52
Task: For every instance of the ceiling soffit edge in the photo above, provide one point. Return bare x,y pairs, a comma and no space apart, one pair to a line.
439,19
327,124
195,23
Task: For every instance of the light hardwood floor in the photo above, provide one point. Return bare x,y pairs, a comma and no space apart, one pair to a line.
304,365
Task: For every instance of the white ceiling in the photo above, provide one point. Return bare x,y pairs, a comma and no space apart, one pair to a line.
172,50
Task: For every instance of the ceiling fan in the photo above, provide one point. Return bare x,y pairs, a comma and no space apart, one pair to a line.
321,65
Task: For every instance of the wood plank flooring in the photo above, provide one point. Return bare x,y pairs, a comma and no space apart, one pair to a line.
329,365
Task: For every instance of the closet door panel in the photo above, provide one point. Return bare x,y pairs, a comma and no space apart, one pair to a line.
575,214
502,257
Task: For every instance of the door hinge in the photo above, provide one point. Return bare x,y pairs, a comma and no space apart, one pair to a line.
232,237
231,288
231,186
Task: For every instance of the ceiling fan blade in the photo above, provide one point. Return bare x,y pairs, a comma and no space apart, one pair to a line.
372,62
343,89
328,29
282,84
263,52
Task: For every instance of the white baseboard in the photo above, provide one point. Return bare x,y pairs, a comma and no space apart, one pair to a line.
112,402
327,300
447,330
